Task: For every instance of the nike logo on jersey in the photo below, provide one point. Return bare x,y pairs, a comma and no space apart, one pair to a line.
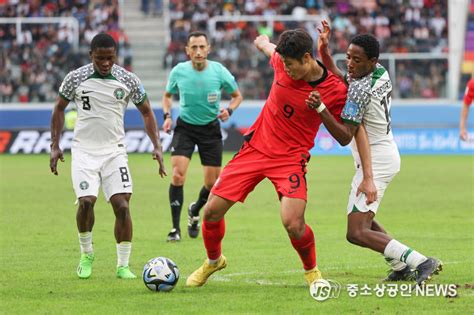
87,92
126,186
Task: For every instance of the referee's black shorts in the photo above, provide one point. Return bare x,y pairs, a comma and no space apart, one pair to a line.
208,138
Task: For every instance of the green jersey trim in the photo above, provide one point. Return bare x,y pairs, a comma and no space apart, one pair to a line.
97,75
350,122
64,97
377,74
145,96
354,209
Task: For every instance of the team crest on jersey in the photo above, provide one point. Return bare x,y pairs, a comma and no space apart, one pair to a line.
84,185
119,93
351,109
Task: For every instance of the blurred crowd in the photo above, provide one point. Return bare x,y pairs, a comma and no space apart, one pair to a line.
402,26
34,61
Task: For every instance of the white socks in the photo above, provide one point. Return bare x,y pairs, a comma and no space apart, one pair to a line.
395,265
123,253
403,253
85,241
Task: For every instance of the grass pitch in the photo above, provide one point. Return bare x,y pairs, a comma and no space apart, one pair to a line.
429,206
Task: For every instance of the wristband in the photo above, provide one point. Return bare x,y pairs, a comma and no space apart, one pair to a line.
230,111
320,108
166,115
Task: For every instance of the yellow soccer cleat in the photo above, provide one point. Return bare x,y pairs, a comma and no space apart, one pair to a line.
312,275
199,276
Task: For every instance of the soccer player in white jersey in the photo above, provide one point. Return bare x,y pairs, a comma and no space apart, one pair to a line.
101,91
366,118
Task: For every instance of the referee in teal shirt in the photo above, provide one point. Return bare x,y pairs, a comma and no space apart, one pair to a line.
199,83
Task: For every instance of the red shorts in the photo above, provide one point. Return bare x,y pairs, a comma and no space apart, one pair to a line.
249,167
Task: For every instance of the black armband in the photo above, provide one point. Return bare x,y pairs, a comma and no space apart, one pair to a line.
166,115
230,111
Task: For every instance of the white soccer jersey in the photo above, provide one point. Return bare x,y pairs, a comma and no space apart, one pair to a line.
368,102
101,103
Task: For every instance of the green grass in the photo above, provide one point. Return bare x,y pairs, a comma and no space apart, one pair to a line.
429,206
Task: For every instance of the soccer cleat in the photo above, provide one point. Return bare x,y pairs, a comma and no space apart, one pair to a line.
312,275
123,272
84,270
426,270
193,222
200,275
406,274
174,235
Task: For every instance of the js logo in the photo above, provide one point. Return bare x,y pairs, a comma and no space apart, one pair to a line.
321,289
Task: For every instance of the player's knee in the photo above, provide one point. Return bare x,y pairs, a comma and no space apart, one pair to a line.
211,214
86,204
355,237
178,178
294,228
212,211
122,210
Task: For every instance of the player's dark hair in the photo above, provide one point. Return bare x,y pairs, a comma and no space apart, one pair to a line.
197,34
294,44
103,40
369,43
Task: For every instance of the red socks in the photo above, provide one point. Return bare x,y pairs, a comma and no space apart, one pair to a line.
306,248
213,233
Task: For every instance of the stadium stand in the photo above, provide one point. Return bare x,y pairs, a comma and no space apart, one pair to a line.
33,63
32,66
468,62
414,26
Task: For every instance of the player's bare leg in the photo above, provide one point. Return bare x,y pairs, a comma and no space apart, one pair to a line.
123,234
211,173
399,271
300,234
180,166
359,232
85,222
213,230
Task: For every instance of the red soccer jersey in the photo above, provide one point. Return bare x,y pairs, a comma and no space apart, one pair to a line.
286,126
469,94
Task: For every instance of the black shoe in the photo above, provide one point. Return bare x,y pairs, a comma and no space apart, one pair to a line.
193,222
427,269
406,274
174,236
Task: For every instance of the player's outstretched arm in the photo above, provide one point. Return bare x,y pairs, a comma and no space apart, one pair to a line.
57,124
343,133
234,103
151,128
323,48
167,101
367,186
262,42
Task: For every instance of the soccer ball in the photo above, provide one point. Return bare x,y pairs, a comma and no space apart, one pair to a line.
160,274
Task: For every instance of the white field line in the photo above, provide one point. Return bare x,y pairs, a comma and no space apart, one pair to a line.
252,277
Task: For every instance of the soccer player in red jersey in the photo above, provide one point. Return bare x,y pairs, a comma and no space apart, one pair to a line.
276,147
468,98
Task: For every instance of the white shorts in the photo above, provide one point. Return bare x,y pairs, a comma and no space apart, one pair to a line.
90,171
359,202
